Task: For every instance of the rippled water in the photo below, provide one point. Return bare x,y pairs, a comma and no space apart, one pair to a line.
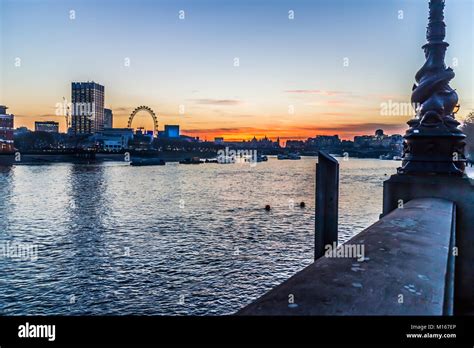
174,239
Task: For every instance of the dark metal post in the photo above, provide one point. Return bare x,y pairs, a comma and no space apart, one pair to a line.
434,143
327,202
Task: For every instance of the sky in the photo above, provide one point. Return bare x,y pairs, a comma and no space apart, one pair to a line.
235,68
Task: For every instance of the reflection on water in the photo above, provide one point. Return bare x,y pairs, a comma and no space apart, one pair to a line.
174,239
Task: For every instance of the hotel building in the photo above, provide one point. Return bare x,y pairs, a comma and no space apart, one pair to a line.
87,114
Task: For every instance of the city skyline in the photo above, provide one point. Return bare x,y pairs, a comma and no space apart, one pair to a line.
290,81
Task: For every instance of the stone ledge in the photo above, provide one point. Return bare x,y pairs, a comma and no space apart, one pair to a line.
406,253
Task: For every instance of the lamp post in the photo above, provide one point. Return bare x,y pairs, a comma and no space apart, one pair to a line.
433,143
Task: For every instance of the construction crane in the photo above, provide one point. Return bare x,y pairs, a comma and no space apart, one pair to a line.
67,114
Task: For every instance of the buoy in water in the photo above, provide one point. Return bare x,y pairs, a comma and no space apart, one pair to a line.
267,207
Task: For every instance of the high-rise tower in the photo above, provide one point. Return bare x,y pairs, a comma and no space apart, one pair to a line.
87,114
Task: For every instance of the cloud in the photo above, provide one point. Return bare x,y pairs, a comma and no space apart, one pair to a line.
362,128
335,114
343,127
316,92
228,130
299,131
122,109
336,102
220,102
351,95
51,116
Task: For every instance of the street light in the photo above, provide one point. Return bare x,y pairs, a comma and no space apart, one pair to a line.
434,144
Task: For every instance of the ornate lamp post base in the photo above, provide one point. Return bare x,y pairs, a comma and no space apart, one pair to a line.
433,151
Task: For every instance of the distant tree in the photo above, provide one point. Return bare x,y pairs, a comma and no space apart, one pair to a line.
468,129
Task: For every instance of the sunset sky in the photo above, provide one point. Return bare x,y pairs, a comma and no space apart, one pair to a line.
291,80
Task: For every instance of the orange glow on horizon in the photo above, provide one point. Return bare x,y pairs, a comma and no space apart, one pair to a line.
345,132
285,135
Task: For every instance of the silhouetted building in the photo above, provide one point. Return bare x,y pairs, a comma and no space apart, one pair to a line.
397,142
363,140
379,140
21,131
379,133
47,126
6,130
189,139
295,144
324,142
114,138
108,118
171,131
87,114
257,144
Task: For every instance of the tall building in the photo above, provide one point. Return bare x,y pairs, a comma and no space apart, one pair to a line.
47,126
6,130
108,118
87,114
171,131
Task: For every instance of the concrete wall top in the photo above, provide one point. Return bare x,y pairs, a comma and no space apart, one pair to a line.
405,270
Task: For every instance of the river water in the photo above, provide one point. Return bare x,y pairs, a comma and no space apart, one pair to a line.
175,239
